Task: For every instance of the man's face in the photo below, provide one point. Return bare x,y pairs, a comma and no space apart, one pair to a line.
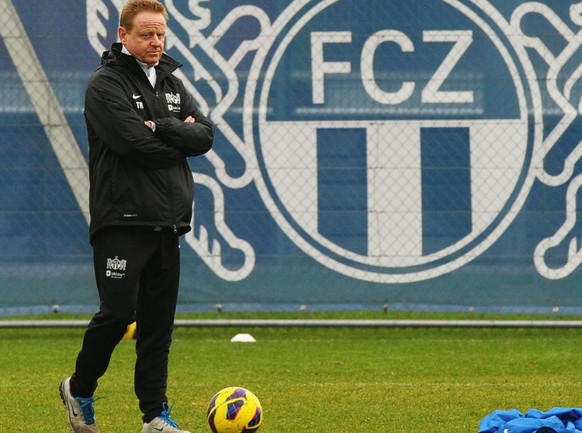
145,41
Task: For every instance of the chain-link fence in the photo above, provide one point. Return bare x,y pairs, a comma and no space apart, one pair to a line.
394,154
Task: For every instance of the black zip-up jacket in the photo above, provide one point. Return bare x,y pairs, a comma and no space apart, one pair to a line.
139,177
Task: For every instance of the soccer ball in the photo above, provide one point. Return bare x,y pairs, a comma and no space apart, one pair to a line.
234,410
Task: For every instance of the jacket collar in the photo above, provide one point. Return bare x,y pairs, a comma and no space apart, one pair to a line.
113,57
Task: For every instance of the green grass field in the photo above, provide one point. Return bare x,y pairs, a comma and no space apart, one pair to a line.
309,380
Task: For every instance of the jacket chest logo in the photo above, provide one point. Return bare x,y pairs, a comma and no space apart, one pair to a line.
173,101
138,101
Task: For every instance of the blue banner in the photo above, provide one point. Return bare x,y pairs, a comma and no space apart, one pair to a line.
369,154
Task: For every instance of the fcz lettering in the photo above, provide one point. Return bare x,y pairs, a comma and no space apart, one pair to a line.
432,93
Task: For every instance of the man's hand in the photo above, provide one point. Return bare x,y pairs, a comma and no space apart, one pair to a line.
190,119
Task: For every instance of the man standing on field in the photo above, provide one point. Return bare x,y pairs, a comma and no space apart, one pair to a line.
142,126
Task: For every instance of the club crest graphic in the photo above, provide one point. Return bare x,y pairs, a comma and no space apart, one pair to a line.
386,158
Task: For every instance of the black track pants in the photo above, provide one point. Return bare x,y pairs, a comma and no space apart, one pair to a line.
137,271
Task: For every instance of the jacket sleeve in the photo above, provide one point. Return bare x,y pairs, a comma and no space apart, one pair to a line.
192,139
114,121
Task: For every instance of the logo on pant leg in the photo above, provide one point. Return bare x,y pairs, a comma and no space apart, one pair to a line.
115,267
